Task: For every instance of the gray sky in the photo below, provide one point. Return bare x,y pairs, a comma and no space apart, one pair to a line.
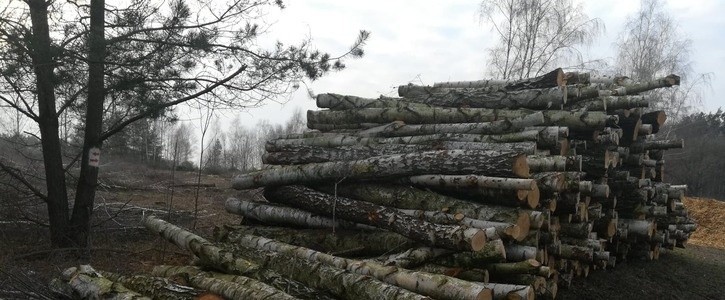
427,41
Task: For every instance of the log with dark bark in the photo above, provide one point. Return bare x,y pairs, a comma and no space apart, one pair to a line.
493,127
472,181
554,78
445,236
340,102
349,242
574,120
490,163
274,214
488,97
405,197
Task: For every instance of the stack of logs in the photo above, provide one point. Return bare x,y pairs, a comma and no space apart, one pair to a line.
463,190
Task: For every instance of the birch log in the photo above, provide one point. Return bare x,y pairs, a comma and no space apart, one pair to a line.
488,97
435,115
502,218
444,162
551,79
163,288
445,236
341,102
270,213
314,275
493,127
89,284
435,286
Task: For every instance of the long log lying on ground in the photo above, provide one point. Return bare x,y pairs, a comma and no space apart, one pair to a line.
551,79
574,120
494,127
445,236
163,288
89,284
314,275
444,162
270,213
545,98
436,286
229,286
349,242
406,197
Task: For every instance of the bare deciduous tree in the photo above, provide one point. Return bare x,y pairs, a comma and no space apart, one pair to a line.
652,45
535,35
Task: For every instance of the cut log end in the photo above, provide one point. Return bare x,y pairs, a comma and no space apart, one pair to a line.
478,241
611,228
560,78
513,231
521,167
524,223
533,197
485,294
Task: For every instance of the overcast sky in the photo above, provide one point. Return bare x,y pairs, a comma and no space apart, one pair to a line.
427,41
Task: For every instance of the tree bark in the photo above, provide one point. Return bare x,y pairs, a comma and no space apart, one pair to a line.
156,287
228,286
270,213
230,263
468,274
445,236
493,127
88,178
89,284
511,291
642,146
43,65
489,97
472,181
554,163
515,253
344,152
415,257
612,103
412,198
410,115
435,286
626,87
342,102
445,162
494,252
349,242
554,78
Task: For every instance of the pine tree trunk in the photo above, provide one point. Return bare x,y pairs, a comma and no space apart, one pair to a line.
489,163
444,236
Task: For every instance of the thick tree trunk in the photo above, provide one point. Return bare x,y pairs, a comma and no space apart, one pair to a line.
43,64
228,286
444,162
435,286
545,98
626,87
349,242
574,120
502,218
612,103
551,79
445,236
88,178
554,163
494,127
282,215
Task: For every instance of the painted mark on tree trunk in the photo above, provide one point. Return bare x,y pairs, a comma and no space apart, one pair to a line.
94,157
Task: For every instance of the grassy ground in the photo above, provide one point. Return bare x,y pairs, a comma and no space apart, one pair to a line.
121,245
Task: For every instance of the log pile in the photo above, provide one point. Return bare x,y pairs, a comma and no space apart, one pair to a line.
461,190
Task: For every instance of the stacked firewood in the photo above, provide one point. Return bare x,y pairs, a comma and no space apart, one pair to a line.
463,190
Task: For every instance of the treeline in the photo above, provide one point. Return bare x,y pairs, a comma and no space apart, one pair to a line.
701,163
174,144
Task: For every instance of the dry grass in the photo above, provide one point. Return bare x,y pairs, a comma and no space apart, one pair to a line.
710,217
